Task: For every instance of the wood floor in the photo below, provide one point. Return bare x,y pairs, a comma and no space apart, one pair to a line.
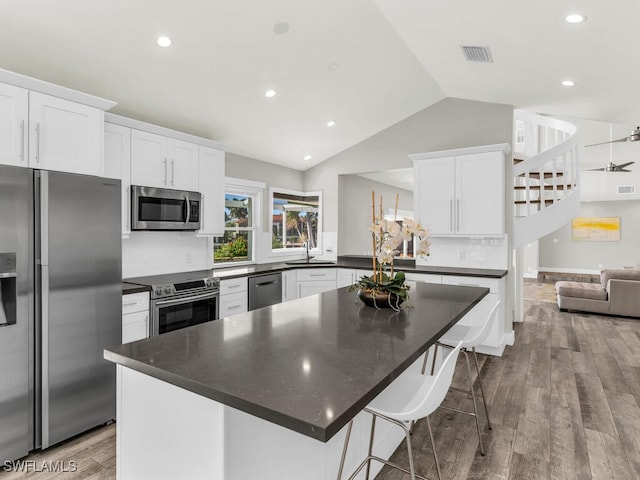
564,400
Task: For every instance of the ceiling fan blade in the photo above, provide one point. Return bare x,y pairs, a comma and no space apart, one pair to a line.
625,139
595,170
622,165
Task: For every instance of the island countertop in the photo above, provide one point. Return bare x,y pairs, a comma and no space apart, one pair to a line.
309,365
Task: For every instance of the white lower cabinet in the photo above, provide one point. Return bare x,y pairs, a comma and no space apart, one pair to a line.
135,317
424,277
497,339
233,296
315,280
289,285
345,277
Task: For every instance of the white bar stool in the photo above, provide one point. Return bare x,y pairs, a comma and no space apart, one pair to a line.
470,337
409,398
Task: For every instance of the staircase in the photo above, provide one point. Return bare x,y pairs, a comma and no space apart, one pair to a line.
545,175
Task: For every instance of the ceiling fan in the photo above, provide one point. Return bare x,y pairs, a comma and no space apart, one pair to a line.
634,136
612,167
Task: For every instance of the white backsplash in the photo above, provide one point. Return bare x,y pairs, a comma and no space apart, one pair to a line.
466,252
152,253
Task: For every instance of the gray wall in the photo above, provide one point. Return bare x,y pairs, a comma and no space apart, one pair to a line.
450,123
580,255
355,214
273,175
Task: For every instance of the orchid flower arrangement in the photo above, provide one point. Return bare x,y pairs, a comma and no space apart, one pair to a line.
387,236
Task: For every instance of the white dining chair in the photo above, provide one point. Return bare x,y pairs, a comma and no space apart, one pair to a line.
471,336
409,398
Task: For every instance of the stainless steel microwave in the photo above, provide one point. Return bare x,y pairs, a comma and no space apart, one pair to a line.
164,209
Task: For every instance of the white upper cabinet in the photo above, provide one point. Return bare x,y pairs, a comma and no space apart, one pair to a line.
117,164
211,186
64,135
159,161
14,112
461,192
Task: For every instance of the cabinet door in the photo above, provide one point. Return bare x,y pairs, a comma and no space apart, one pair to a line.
135,326
65,136
289,285
480,193
117,164
434,202
149,162
183,165
311,288
346,277
211,187
14,103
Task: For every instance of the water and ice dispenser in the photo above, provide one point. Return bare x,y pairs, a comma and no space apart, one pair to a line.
8,291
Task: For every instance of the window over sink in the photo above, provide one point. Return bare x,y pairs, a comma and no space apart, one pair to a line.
295,221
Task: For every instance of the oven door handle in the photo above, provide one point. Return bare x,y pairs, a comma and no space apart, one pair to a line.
178,301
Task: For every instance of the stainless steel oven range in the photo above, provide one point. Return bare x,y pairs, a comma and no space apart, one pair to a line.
181,300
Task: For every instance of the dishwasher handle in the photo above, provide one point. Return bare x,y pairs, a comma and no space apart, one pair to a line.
265,283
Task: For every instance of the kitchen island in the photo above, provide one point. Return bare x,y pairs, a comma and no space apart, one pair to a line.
266,394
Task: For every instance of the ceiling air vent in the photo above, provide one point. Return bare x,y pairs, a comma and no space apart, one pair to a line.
477,54
626,189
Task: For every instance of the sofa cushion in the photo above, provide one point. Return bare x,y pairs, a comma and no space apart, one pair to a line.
581,290
627,274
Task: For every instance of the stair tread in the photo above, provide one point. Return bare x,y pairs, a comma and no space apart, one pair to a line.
524,202
546,174
546,187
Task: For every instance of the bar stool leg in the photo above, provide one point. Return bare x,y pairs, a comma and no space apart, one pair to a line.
373,429
344,450
473,397
433,447
486,409
410,453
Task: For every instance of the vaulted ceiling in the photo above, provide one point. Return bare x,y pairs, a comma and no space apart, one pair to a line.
365,64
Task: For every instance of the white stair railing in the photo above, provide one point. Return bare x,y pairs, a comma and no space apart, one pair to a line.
547,181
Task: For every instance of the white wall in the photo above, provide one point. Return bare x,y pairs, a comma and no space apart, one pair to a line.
450,123
558,252
355,214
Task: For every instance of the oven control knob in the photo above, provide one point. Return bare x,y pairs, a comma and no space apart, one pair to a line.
158,291
167,290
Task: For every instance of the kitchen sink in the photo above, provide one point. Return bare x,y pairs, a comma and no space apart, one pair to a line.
310,262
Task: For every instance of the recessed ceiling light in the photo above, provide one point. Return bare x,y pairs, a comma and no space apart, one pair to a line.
163,42
270,93
575,18
308,157
281,28
331,123
568,83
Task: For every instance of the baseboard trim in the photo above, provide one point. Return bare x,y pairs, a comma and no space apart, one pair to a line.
583,271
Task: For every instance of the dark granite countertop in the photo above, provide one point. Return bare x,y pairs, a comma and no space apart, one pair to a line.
359,262
309,365
128,288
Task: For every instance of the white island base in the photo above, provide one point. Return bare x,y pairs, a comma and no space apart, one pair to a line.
164,432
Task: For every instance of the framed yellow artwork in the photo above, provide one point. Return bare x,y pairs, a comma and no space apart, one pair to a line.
596,229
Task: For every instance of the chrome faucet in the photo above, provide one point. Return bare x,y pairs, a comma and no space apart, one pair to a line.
306,247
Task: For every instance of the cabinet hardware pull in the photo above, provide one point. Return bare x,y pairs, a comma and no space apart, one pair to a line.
165,171
458,214
22,141
234,286
128,304
38,142
173,170
232,307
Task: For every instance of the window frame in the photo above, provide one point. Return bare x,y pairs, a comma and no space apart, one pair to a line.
279,252
255,190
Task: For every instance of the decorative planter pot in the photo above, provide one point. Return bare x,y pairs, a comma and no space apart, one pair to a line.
379,299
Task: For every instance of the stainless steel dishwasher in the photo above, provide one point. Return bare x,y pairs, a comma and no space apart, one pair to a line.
265,290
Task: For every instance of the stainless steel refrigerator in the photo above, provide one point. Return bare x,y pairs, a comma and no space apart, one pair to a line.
60,305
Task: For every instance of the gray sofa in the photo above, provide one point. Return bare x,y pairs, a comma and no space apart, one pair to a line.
618,293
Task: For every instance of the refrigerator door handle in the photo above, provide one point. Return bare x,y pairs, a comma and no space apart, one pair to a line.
44,356
43,284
